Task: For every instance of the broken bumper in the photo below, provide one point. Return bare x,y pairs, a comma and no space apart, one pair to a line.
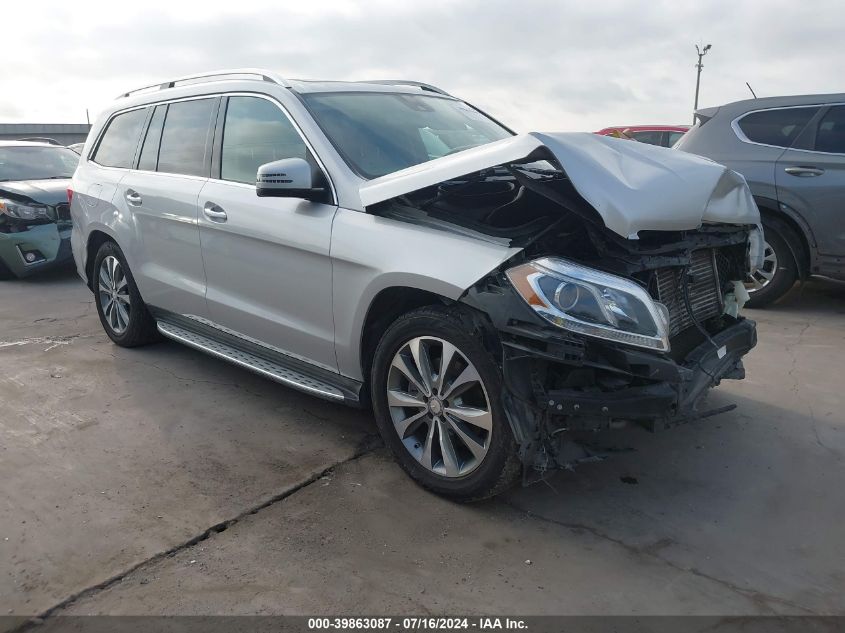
673,399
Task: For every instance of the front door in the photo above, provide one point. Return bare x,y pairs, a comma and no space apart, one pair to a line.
267,262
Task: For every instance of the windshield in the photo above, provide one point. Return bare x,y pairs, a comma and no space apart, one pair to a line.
378,133
21,162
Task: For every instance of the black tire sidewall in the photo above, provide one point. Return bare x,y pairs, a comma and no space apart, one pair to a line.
141,324
785,275
487,478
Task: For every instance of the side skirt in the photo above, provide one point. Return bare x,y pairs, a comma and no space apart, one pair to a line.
258,358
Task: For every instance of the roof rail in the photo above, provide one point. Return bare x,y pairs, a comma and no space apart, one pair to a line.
214,75
40,139
403,82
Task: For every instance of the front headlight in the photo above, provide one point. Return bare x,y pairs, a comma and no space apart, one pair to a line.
22,211
592,303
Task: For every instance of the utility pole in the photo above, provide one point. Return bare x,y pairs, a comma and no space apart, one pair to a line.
701,53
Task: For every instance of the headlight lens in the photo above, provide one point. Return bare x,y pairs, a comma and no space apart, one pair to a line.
22,211
591,302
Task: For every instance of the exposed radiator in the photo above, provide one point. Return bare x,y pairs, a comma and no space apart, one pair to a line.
704,294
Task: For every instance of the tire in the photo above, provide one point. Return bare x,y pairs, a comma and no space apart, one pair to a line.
441,450
781,261
126,319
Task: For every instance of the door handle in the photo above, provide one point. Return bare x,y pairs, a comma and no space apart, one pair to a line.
803,172
133,198
214,212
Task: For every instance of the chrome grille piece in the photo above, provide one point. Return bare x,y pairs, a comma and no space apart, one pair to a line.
704,295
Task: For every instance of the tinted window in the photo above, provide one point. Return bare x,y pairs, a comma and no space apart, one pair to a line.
776,127
184,140
378,133
149,152
34,162
674,137
651,137
256,132
831,133
117,147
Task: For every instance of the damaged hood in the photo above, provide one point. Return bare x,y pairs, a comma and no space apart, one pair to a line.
633,186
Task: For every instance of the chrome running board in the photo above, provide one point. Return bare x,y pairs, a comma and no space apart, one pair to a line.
263,366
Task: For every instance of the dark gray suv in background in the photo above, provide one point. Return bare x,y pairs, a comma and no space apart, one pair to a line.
791,151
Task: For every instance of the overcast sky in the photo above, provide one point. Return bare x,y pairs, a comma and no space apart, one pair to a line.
545,66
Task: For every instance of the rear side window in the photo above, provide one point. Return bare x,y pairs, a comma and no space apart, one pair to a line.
776,127
652,137
256,132
117,147
184,144
149,152
830,136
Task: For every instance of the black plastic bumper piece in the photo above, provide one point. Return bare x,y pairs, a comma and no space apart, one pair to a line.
667,402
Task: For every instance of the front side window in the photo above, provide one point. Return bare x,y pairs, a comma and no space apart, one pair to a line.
830,136
20,162
776,127
117,147
256,132
378,133
184,147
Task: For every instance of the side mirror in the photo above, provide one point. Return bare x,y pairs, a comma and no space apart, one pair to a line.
287,178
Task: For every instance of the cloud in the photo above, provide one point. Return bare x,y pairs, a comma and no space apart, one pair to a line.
536,64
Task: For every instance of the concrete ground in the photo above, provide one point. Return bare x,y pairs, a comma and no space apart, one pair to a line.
159,480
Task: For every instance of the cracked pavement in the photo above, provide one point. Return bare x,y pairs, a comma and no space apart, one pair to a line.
158,480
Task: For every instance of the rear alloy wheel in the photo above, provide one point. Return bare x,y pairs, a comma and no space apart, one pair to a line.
122,312
777,274
436,395
113,294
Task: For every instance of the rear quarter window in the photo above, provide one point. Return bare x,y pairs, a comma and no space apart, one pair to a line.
117,147
776,127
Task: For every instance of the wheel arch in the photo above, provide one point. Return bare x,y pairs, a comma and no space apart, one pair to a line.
388,305
96,238
793,230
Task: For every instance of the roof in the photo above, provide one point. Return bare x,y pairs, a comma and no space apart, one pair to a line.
44,129
778,102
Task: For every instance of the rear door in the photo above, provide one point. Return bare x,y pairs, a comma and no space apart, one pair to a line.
810,178
161,197
267,260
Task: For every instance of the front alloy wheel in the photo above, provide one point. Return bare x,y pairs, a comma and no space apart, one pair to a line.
436,389
439,406
113,291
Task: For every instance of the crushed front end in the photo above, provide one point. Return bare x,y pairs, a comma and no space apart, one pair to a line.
562,381
622,302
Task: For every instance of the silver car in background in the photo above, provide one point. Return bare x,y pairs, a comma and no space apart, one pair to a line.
495,297
791,151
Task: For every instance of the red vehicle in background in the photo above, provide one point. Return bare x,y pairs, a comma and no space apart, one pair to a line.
662,135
